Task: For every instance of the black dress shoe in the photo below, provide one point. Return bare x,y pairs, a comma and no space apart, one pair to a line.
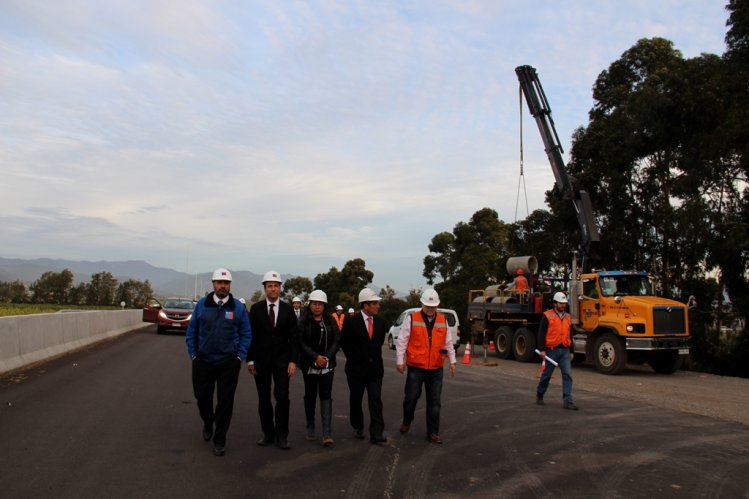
207,433
359,434
218,450
266,440
283,444
378,440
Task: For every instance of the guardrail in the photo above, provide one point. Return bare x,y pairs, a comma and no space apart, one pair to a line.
26,339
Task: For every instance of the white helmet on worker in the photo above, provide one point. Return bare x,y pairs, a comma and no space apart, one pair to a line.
430,298
221,275
351,310
560,297
367,294
338,307
296,299
318,295
272,276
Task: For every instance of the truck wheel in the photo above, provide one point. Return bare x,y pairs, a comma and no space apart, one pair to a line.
523,345
503,342
611,356
666,362
391,343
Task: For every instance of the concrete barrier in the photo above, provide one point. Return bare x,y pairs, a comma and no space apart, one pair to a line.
25,339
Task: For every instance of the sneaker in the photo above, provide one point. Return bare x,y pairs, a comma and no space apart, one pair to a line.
571,406
327,441
404,428
434,438
539,400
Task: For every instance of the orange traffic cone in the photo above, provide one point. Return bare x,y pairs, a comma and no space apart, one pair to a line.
491,347
467,354
541,371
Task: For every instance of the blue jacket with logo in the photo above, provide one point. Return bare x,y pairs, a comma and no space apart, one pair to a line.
216,335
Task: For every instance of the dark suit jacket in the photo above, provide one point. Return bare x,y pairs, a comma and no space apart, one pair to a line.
363,356
271,347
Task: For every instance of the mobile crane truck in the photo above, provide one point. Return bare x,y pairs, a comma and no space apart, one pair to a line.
616,317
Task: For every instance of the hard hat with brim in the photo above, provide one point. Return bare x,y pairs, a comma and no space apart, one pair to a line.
367,294
272,276
221,275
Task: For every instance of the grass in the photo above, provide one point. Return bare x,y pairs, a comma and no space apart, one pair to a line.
7,309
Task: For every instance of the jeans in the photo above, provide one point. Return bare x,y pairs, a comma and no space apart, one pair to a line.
560,354
432,381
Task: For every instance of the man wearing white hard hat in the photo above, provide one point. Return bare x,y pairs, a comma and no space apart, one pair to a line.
218,338
555,344
296,304
338,316
424,342
272,360
361,341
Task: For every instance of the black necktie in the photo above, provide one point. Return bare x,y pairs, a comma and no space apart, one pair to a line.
272,316
220,303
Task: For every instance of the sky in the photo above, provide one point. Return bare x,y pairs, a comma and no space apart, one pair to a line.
293,135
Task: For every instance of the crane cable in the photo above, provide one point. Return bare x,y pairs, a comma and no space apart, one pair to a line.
521,179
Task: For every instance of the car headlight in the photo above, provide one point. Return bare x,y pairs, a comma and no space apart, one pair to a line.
188,317
162,314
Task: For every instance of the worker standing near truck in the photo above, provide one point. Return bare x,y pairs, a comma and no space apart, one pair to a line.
555,343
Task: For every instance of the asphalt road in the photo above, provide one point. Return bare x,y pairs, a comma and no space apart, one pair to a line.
119,420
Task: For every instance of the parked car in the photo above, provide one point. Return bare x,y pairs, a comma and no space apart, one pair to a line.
452,323
175,313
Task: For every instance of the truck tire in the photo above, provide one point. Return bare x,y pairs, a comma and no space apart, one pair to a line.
503,342
665,362
610,354
524,345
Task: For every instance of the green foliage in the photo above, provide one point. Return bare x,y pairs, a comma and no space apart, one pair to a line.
343,286
13,292
9,309
52,287
297,286
133,292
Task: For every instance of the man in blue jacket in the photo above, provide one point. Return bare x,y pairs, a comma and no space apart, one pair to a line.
217,338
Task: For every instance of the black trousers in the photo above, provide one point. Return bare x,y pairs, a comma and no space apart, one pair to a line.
279,379
223,378
312,384
373,386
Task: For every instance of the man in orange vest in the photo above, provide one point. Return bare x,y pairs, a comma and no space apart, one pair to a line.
424,342
555,343
338,317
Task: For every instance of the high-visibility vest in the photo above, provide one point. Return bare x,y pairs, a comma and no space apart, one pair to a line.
339,320
558,332
521,284
421,352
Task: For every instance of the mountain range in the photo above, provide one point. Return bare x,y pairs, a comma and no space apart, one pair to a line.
165,282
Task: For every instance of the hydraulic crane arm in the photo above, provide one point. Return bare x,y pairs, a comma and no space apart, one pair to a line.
566,185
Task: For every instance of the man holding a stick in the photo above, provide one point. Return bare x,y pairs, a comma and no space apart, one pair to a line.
555,344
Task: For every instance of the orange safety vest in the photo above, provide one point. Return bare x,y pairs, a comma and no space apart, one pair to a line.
420,352
558,331
521,284
339,320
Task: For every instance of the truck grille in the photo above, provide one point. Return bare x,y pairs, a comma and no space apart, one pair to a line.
669,320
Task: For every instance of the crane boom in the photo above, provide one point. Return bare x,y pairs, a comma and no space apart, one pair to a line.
566,185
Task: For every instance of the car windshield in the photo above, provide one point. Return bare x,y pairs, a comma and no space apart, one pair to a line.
626,285
179,304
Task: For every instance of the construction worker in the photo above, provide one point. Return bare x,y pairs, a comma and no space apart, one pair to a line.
519,285
423,344
338,317
555,343
351,312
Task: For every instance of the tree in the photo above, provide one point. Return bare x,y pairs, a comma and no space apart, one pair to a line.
297,286
134,293
13,292
342,287
256,297
78,295
101,289
52,287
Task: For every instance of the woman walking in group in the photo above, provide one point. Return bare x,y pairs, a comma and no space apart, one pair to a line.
319,337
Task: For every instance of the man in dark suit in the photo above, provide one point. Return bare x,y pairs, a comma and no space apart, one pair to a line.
361,341
272,359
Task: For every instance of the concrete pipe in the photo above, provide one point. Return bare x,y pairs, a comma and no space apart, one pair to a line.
529,264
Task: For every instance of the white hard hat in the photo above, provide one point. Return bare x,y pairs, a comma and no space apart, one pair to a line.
430,298
242,301
560,297
221,275
338,307
367,294
272,276
318,295
296,298
351,310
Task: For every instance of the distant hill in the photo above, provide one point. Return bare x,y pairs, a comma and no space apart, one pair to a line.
164,281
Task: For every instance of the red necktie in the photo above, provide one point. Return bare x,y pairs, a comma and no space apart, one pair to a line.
369,327
272,316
